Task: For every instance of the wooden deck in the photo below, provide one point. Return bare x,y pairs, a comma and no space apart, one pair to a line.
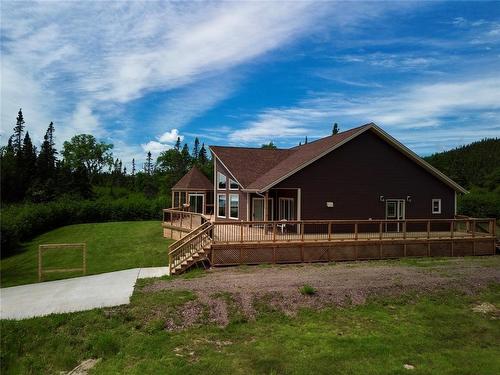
252,242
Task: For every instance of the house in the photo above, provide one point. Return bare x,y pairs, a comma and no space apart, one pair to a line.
195,191
355,195
362,173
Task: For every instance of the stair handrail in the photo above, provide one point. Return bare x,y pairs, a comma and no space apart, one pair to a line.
188,236
173,255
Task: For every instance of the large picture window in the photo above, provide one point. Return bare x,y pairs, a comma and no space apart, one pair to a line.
221,205
221,181
233,206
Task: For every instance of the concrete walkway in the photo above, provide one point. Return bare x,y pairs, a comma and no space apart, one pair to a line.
76,294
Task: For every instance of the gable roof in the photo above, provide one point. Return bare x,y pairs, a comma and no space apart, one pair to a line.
259,171
193,180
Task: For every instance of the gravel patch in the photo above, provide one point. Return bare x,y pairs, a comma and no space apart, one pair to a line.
342,284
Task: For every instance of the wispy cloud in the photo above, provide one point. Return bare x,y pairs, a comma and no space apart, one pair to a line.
407,112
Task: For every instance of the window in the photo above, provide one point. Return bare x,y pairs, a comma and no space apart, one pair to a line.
233,185
286,209
221,180
183,198
233,206
221,205
436,206
176,200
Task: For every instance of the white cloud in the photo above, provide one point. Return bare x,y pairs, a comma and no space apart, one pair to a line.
170,136
155,147
435,112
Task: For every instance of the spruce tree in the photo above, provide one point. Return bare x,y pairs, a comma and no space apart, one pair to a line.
17,141
335,129
202,156
305,142
196,149
178,144
133,167
148,166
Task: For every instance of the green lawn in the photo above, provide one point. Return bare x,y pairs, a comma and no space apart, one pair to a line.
110,247
436,333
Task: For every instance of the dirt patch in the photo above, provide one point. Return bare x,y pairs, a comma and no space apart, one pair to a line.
278,287
83,368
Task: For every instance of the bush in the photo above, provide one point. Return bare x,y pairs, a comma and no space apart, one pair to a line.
480,203
22,222
307,290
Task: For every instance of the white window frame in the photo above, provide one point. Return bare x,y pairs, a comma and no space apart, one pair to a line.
237,196
221,176
225,205
291,207
438,201
231,182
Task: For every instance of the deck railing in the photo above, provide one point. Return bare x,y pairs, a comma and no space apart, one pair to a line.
189,245
342,230
180,218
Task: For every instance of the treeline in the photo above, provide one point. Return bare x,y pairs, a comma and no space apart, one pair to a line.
477,168
83,182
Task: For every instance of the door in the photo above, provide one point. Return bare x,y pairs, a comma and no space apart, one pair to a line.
286,209
196,203
258,209
394,210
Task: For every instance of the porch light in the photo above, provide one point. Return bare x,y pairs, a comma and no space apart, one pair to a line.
408,198
381,198
329,204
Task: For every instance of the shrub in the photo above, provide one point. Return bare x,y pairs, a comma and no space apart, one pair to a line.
307,290
22,222
480,203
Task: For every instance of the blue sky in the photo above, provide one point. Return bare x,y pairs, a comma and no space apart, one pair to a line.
139,74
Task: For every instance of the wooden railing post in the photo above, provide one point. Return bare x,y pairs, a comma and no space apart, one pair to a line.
404,230
241,231
380,230
329,231
274,231
356,231
302,231
190,221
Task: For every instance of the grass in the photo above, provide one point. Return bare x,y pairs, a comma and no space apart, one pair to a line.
307,290
436,333
110,247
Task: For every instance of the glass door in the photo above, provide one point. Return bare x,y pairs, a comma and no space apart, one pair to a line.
196,203
394,210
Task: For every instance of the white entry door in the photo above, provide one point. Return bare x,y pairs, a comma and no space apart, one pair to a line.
394,210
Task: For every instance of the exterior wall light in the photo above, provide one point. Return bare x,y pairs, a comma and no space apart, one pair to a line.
382,198
408,198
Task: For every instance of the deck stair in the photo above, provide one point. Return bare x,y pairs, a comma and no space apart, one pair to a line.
190,249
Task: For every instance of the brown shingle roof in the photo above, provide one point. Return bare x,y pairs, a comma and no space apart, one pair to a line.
259,169
256,168
248,164
301,155
194,180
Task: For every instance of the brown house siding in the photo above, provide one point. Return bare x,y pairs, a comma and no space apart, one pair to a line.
242,213
356,174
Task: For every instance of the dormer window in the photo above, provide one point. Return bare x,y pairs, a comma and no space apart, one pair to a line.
233,185
221,181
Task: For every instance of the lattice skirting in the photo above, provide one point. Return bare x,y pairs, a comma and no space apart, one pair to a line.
233,254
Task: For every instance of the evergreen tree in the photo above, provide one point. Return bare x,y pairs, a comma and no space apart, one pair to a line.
46,162
202,156
196,149
305,142
17,142
133,167
148,166
335,129
269,145
178,144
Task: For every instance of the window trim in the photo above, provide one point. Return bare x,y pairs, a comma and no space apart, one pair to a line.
225,205
219,174
237,206
438,201
231,181
291,203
